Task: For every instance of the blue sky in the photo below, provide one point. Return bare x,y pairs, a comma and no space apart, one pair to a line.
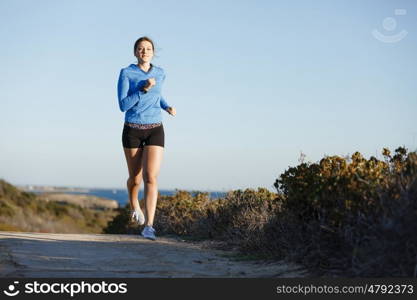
255,83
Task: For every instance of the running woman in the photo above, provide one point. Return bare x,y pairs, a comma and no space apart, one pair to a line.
139,94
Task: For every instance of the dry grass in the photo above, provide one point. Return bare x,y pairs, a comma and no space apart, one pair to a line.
23,211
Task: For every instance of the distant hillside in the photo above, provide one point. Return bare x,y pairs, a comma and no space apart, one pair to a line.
25,211
86,201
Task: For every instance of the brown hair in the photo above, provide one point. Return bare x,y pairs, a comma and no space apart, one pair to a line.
143,38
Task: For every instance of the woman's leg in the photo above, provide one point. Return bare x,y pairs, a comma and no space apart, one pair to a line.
134,165
152,158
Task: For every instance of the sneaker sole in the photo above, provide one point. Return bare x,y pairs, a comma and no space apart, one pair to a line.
149,238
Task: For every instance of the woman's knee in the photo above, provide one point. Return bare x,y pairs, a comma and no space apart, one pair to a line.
134,180
149,178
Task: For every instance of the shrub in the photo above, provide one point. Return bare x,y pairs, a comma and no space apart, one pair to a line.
355,219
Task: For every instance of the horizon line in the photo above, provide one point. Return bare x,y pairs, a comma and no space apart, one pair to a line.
120,188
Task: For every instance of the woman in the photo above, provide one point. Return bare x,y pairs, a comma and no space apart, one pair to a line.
139,94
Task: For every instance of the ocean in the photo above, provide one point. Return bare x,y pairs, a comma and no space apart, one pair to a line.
120,195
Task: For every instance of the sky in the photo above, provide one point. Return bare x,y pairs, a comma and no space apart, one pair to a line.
254,83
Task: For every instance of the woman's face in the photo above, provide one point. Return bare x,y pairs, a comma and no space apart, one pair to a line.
144,52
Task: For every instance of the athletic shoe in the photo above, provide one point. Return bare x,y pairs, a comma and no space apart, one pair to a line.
137,216
149,233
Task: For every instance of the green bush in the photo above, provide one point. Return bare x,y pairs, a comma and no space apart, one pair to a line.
355,218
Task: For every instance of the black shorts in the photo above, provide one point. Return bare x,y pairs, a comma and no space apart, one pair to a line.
138,138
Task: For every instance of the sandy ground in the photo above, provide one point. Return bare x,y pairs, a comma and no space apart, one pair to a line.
119,256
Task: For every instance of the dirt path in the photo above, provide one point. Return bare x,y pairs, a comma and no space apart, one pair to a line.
111,255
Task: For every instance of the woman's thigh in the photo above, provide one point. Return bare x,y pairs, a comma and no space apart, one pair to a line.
152,159
134,161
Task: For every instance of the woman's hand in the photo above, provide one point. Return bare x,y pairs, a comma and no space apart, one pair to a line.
171,111
149,84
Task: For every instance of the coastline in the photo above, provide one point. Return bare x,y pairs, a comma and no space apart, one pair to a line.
119,195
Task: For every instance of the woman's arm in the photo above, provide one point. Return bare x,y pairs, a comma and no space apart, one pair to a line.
164,104
126,101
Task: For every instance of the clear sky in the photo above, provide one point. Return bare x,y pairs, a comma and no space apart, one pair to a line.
254,83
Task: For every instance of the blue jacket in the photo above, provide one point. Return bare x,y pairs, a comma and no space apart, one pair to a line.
140,107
